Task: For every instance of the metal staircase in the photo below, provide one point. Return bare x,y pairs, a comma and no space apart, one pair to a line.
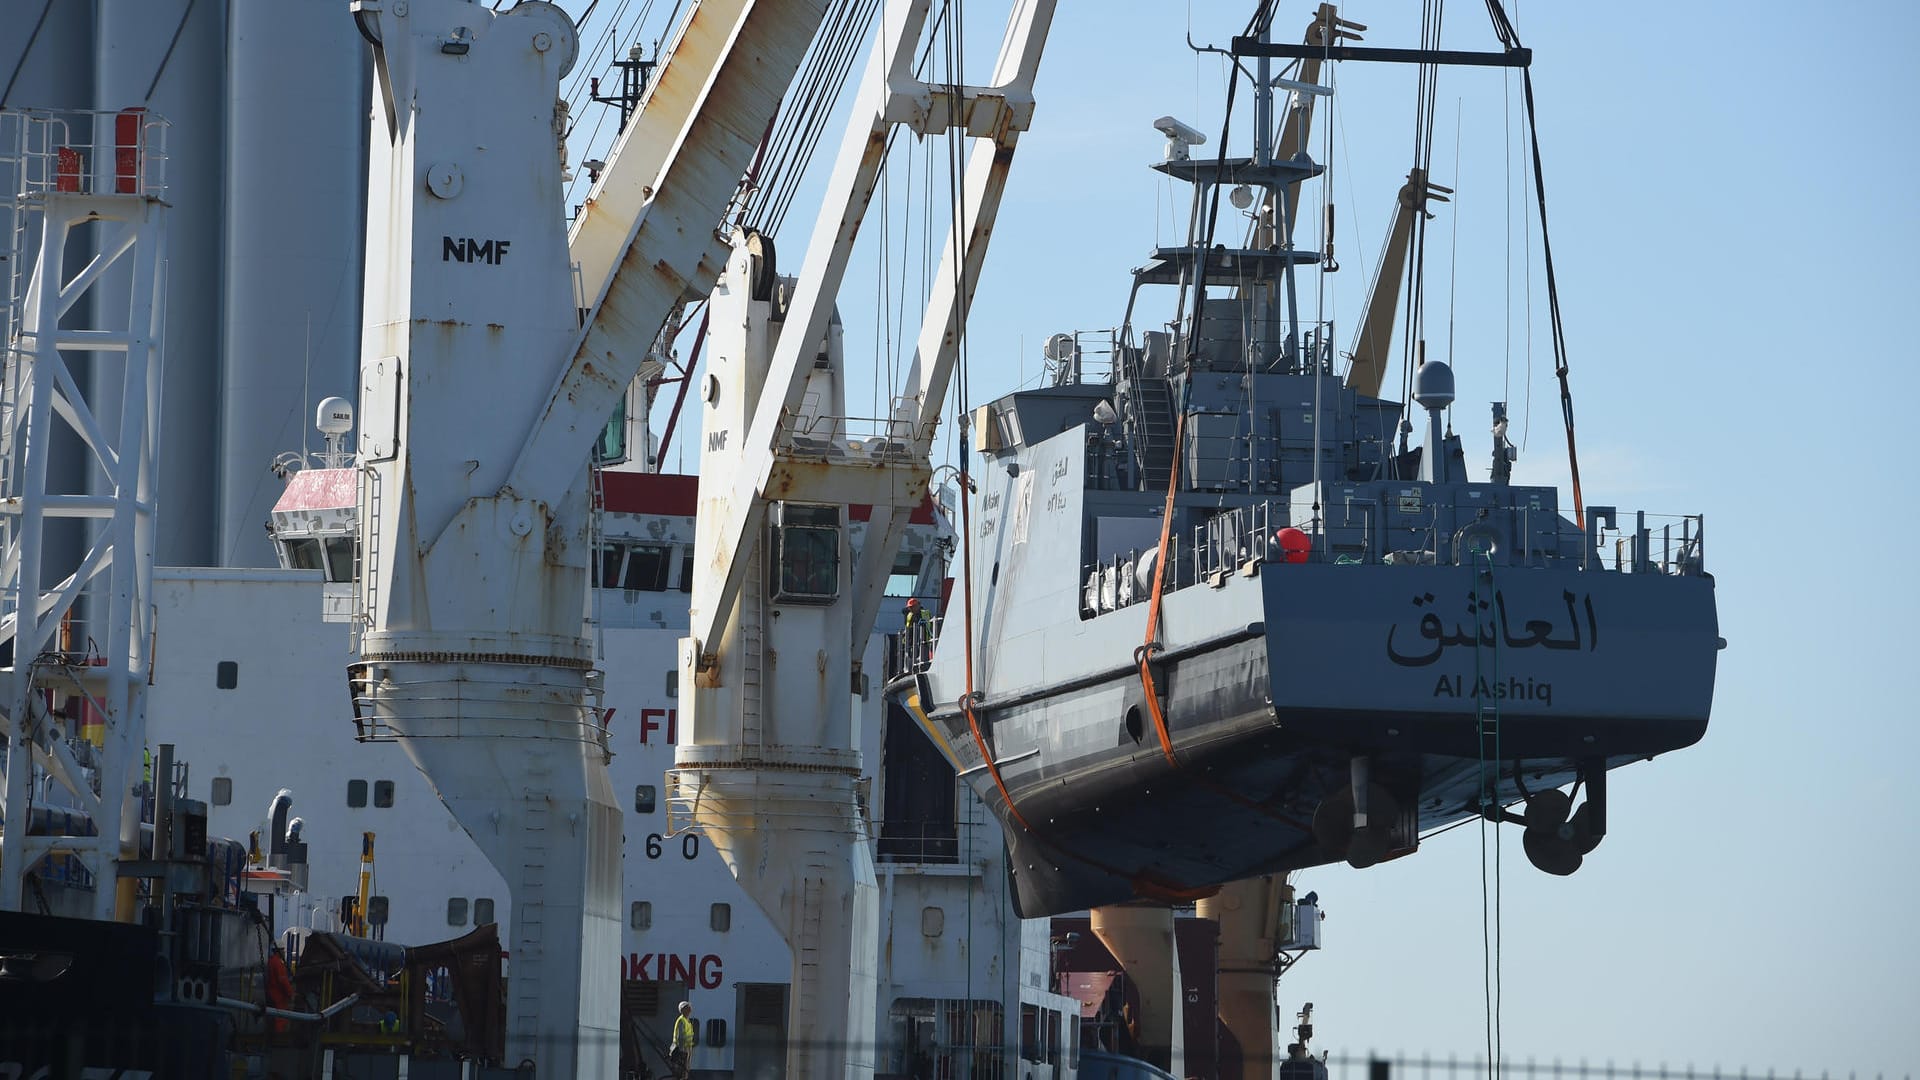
1151,406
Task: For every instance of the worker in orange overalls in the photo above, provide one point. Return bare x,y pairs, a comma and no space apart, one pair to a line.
279,986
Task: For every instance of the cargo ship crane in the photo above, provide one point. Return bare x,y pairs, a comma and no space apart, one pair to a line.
769,764
483,386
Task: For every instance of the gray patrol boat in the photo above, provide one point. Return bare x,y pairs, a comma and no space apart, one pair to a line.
1216,618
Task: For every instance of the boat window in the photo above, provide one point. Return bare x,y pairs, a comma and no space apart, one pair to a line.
457,911
720,917
482,911
340,558
908,563
640,916
716,1032
356,793
686,569
222,794
383,793
226,675
645,797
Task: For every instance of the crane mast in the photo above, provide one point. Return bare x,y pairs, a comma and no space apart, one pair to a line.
481,393
769,763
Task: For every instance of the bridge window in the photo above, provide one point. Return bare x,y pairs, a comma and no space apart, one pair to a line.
636,567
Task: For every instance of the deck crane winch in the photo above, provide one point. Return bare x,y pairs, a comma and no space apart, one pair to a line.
482,390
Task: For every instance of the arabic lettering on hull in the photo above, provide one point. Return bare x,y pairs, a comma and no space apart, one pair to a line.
1487,624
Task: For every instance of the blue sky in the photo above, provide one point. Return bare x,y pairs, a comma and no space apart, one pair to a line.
1735,236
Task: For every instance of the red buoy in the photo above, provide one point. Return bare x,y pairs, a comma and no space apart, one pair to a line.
1294,544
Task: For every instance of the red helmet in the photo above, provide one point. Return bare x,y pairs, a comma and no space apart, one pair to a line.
913,601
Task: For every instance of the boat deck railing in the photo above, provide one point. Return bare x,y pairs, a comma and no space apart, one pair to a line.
1239,540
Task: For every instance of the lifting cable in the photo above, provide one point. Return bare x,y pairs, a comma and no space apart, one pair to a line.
1510,39
1143,655
1413,344
1143,884
1487,721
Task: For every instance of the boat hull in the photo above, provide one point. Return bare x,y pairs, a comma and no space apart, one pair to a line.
1425,672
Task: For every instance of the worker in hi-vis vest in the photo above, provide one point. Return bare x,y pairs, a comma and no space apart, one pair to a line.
686,1036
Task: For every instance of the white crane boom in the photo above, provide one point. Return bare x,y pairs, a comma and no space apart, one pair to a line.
649,236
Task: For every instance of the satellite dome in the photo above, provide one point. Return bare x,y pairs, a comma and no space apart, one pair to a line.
1433,385
334,416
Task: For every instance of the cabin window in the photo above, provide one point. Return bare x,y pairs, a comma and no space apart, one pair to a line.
686,569
636,567
645,797
303,555
647,566
482,911
457,911
720,918
383,793
612,558
356,794
340,558
640,915
933,921
716,1032
226,675
807,546
222,794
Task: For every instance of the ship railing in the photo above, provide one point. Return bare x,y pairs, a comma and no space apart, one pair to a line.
913,645
1365,533
1125,578
84,152
961,841
805,433
918,841
452,713
1655,544
1083,356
